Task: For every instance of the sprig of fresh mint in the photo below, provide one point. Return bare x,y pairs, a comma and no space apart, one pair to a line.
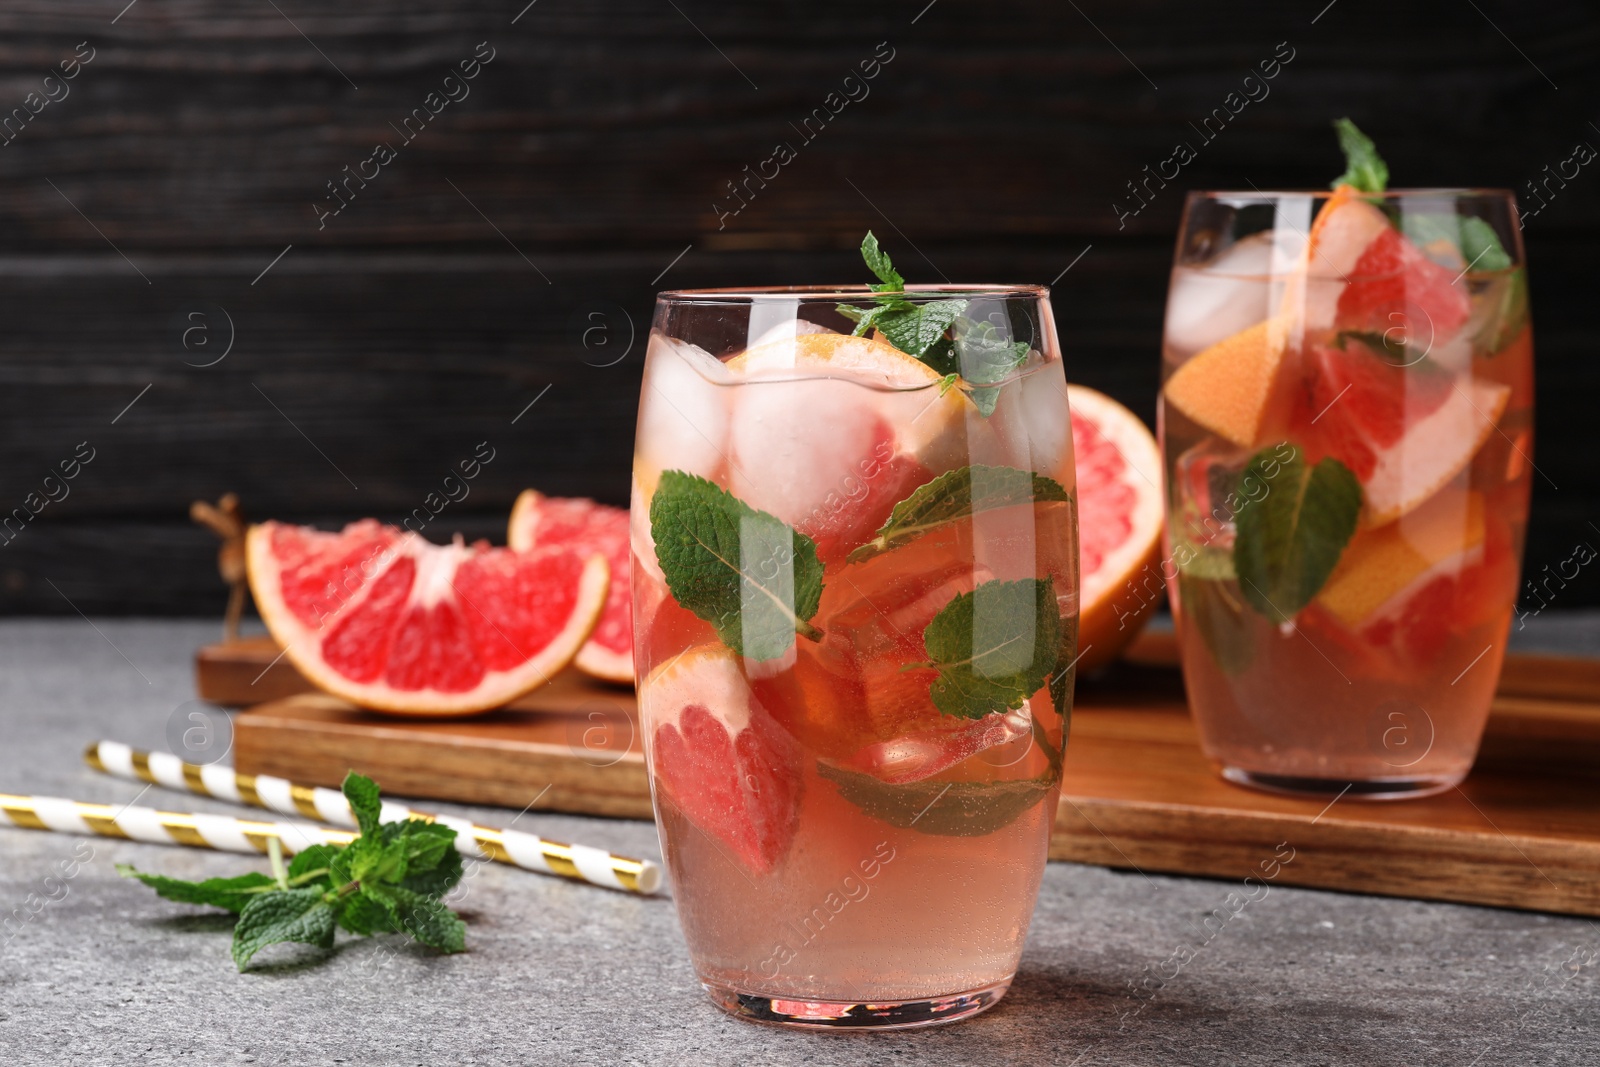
993,647
1363,167
1287,542
388,880
956,495
936,332
753,577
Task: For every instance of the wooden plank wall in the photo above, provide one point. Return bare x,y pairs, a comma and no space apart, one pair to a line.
585,166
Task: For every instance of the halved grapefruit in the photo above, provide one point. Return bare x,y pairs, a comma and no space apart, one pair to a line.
828,432
386,620
719,758
1119,524
539,521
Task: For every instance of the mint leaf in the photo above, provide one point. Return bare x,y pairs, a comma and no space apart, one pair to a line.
300,915
1212,608
1364,168
916,328
878,263
426,844
362,793
948,809
753,577
1474,239
986,358
993,647
426,920
956,495
1509,292
1288,542
229,893
1481,247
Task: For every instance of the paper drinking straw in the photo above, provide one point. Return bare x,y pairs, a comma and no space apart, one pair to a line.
531,852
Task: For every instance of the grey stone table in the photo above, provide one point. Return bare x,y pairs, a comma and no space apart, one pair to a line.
560,972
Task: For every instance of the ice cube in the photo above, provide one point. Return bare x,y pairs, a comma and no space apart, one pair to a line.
683,412
773,322
1230,293
1211,492
1032,424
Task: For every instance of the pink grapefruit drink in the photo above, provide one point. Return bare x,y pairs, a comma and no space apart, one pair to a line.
1347,425
855,583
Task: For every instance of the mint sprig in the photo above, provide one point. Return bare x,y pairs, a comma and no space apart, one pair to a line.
955,495
937,332
993,647
1287,542
389,879
756,579
1363,167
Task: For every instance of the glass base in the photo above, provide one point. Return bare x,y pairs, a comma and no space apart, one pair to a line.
854,1015
1406,788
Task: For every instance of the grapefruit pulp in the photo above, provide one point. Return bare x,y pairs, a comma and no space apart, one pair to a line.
1119,524
719,758
388,621
539,521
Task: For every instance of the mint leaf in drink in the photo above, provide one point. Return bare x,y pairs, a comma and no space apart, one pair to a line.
1481,247
231,894
1213,608
753,577
984,357
1509,296
878,263
1363,167
303,915
948,809
1287,543
993,647
391,878
362,793
954,495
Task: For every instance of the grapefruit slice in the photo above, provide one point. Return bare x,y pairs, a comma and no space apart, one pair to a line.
1393,284
1446,567
1405,432
391,622
1226,387
539,521
853,428
1347,224
1119,524
719,758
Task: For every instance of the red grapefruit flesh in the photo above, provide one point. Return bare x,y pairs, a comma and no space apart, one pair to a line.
539,521
1405,432
1119,524
1394,285
391,622
719,758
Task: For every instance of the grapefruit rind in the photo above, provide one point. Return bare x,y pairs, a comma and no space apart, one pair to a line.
1434,450
302,643
1110,617
1226,388
594,658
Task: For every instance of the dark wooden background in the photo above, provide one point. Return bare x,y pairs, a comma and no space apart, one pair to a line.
379,351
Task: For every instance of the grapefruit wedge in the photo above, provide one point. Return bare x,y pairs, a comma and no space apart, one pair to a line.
719,758
539,521
388,621
1119,524
1226,387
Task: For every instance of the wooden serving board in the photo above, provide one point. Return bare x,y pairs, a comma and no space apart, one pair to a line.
1522,831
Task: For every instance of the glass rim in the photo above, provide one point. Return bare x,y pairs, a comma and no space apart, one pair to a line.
1420,193
760,293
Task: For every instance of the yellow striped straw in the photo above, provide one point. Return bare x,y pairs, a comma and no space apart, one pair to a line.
531,852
